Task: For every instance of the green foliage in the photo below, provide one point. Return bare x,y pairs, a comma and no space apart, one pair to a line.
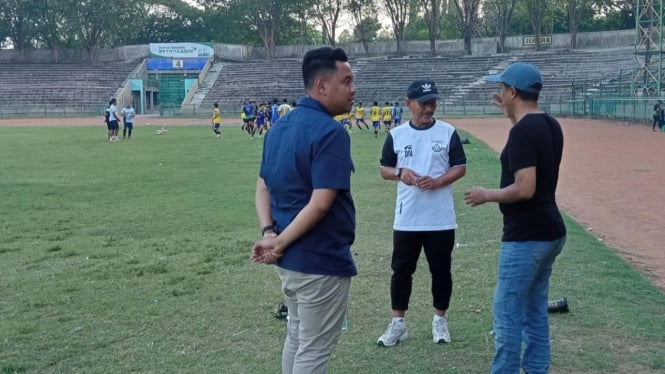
134,257
92,24
371,27
416,29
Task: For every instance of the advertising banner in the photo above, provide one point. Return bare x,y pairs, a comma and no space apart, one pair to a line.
182,50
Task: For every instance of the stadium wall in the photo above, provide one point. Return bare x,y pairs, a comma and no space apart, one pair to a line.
479,46
234,52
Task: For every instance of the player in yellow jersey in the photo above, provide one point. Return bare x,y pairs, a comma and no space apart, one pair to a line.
387,115
375,116
340,118
216,120
360,116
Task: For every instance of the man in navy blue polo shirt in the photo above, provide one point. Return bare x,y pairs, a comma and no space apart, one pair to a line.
304,205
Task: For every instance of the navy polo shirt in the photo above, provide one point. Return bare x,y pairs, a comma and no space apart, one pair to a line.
309,150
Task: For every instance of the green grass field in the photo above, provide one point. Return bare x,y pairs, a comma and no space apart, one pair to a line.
132,257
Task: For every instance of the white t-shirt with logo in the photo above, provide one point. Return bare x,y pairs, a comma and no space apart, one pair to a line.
113,116
430,151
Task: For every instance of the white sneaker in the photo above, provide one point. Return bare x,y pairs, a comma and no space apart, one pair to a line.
395,333
440,333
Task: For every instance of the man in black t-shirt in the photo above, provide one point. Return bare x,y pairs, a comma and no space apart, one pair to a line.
533,230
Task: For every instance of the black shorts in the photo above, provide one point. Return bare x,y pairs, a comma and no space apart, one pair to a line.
129,125
248,119
112,125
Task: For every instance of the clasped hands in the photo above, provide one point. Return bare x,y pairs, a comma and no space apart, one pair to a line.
411,178
267,250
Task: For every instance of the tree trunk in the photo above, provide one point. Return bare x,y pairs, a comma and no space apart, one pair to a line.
573,21
502,42
467,43
56,53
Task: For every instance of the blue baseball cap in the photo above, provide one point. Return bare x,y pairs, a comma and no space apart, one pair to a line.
521,75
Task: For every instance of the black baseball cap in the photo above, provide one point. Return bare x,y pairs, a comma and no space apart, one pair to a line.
422,91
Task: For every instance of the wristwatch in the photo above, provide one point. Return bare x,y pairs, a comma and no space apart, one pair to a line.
269,228
398,172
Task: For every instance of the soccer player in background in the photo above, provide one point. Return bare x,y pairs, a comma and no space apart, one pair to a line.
112,124
397,115
360,116
128,114
284,108
216,120
249,109
375,116
386,114
274,112
261,119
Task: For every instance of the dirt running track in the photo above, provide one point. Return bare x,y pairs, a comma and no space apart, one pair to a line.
612,179
612,182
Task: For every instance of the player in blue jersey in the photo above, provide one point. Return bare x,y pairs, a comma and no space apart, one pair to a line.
397,114
261,118
274,112
249,110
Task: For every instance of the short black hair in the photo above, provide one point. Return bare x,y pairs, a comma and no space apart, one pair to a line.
112,101
528,96
216,105
320,60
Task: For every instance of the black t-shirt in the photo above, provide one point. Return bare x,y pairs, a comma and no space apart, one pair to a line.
536,140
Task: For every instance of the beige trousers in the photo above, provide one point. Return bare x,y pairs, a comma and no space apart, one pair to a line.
317,304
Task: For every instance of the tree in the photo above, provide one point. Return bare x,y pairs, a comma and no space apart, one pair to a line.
433,11
467,19
574,12
15,16
398,11
327,12
361,11
50,16
266,18
537,9
502,12
171,21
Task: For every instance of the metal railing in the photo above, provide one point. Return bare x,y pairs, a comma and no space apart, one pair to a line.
632,109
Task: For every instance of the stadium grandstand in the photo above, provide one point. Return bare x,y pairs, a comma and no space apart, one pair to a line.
68,89
187,78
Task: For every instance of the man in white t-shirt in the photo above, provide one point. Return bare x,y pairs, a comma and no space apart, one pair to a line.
425,157
113,125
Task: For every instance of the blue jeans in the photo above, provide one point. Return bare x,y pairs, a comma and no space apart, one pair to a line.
520,306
